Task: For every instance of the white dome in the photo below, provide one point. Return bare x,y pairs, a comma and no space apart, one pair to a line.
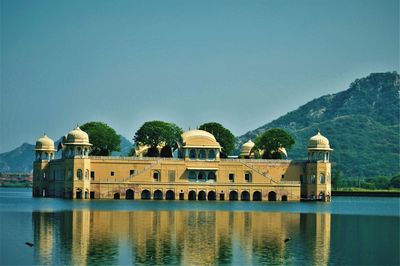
199,138
77,137
44,144
318,142
246,148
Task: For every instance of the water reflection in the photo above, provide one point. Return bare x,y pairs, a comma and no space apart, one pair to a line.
180,237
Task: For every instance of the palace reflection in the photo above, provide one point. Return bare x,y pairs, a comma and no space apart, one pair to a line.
180,237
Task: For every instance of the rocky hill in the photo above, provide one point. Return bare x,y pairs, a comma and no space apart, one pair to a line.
362,124
18,160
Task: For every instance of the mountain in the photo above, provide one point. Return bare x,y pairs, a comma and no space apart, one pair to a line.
126,147
21,159
18,160
362,124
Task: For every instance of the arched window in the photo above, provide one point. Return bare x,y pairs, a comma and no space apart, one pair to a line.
211,176
192,175
202,176
87,174
322,179
79,174
211,155
192,154
312,179
202,154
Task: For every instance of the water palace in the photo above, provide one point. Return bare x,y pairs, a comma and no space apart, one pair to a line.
198,174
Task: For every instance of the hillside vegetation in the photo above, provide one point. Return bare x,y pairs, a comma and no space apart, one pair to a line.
362,124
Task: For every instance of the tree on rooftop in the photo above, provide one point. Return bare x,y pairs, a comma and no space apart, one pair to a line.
224,137
271,141
104,138
155,134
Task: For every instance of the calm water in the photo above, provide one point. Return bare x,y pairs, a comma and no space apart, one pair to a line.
348,231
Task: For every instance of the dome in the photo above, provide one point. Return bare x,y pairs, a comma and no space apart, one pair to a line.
44,144
246,148
199,139
77,137
318,142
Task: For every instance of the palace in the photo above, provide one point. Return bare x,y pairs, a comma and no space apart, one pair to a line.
198,173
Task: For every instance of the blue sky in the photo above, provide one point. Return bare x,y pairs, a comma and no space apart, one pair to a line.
240,63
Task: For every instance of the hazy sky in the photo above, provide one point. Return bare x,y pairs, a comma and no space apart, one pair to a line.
240,63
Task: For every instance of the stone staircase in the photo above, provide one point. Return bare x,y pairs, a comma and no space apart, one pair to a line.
147,168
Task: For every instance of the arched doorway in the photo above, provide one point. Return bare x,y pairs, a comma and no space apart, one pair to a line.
233,195
272,196
145,195
158,195
117,196
257,196
284,198
211,195
129,194
86,194
202,195
245,196
192,195
170,195
78,193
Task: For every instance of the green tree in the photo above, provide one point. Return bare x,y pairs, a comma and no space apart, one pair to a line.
271,140
395,181
104,138
224,137
158,133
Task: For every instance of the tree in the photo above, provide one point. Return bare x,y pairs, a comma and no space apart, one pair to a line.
272,140
224,137
395,181
104,138
158,133
336,179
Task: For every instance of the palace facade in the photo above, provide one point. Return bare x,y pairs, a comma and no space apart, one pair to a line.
198,173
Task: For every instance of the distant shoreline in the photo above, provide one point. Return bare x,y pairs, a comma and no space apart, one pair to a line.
367,193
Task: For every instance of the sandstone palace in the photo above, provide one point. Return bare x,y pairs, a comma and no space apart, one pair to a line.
197,173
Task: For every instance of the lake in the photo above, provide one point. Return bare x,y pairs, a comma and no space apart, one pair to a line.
347,231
